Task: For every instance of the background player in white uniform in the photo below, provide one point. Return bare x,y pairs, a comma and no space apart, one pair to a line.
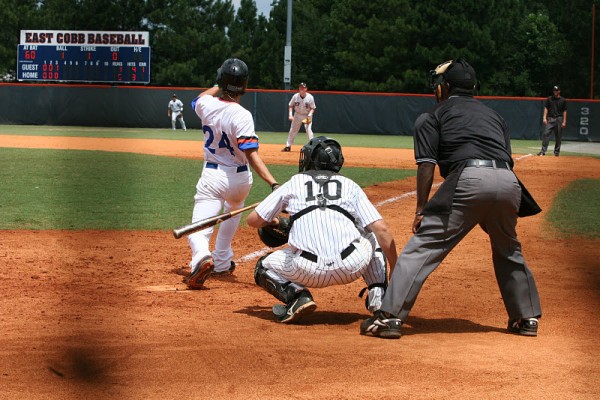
230,144
175,111
335,235
301,106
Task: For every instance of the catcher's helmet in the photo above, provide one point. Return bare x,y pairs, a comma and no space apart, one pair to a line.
321,153
453,76
232,77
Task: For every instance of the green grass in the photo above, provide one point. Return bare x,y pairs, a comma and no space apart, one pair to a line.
350,140
62,189
385,141
576,209
67,189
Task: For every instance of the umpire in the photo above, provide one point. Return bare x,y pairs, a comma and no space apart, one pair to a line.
470,144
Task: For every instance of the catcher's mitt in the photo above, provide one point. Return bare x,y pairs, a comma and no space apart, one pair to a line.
306,120
275,235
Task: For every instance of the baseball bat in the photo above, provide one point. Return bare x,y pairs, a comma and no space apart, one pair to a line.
208,222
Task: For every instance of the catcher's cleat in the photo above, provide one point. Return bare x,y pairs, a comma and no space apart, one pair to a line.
381,324
286,149
303,304
228,271
200,272
523,326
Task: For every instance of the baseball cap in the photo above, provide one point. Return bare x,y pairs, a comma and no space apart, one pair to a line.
460,74
556,87
174,95
302,84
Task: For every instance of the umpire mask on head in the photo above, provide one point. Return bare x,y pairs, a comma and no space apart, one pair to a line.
453,77
321,153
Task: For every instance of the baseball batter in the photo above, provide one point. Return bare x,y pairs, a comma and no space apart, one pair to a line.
230,147
175,112
470,144
301,110
336,237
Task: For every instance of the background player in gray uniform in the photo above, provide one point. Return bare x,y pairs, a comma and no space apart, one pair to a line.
301,109
230,144
175,112
471,145
335,236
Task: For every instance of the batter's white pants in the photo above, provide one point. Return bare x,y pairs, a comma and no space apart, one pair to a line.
295,128
218,191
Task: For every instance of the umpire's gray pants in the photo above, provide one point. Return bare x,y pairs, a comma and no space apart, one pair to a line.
552,125
489,197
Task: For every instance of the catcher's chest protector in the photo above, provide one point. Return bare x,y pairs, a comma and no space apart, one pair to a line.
321,177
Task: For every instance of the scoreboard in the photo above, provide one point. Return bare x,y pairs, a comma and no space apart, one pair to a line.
74,56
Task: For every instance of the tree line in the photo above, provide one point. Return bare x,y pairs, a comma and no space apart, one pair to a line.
518,47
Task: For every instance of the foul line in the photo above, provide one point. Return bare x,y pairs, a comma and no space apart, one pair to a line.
265,250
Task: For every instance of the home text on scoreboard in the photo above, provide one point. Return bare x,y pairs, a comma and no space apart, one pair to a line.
74,56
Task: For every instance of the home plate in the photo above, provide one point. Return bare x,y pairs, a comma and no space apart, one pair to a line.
165,288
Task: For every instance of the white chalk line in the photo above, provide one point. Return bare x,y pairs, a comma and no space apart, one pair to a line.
265,250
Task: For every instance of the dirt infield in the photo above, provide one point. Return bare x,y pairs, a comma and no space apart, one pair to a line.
104,314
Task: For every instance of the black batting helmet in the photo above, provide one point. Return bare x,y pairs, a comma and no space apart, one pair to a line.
321,153
453,76
232,77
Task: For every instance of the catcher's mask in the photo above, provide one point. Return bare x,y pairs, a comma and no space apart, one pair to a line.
321,153
233,76
453,76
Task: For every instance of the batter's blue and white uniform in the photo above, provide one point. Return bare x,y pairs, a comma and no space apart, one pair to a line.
176,107
301,106
325,246
226,178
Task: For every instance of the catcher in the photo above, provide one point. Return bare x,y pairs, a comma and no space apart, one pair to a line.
335,234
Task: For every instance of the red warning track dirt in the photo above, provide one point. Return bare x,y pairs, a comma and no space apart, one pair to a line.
104,314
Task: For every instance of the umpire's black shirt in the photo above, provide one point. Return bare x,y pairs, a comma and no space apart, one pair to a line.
455,130
556,106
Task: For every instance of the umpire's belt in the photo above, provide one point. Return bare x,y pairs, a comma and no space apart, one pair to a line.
312,257
213,165
488,164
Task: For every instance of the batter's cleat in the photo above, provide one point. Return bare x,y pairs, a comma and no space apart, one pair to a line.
228,271
381,324
200,272
303,304
523,326
286,149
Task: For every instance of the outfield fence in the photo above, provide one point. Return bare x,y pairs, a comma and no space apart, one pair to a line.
337,112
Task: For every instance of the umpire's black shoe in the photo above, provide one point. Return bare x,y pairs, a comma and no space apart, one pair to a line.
301,305
286,149
541,153
381,324
523,326
200,272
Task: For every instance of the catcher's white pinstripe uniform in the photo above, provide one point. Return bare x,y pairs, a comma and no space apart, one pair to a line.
325,246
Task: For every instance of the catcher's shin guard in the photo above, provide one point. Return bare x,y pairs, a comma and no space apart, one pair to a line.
283,291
